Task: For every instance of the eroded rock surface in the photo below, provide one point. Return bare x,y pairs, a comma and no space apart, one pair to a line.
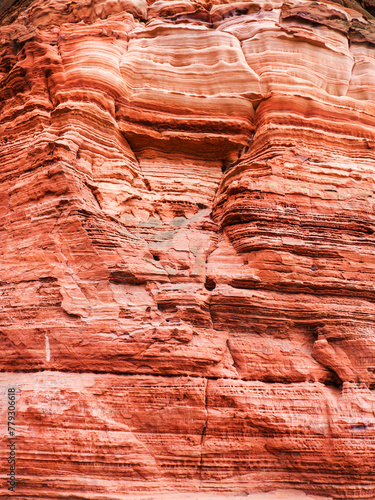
187,219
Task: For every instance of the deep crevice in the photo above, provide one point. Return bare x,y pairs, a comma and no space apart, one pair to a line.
204,429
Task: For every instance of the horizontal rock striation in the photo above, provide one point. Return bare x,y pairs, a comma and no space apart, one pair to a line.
187,218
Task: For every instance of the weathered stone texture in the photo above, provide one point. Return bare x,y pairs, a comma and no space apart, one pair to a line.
187,250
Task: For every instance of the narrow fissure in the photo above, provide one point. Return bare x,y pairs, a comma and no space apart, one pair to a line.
203,430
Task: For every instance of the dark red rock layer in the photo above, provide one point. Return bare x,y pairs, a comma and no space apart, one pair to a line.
187,246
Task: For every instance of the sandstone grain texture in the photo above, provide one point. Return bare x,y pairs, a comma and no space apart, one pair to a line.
187,250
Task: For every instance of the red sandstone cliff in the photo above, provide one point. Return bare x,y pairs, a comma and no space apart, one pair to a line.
187,218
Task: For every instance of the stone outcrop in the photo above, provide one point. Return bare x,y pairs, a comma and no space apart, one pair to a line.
187,218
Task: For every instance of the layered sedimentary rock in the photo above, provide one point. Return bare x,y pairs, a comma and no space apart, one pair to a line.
187,246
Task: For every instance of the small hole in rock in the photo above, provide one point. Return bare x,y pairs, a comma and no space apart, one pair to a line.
209,284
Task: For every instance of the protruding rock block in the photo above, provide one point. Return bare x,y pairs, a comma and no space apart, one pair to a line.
187,250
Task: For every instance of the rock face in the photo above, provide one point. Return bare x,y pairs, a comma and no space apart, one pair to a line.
187,218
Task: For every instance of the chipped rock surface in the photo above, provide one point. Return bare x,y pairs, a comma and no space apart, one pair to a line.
187,249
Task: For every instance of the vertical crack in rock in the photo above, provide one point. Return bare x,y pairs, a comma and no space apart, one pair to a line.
115,281
204,430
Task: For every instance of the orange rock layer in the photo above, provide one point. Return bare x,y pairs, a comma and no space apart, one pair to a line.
187,219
